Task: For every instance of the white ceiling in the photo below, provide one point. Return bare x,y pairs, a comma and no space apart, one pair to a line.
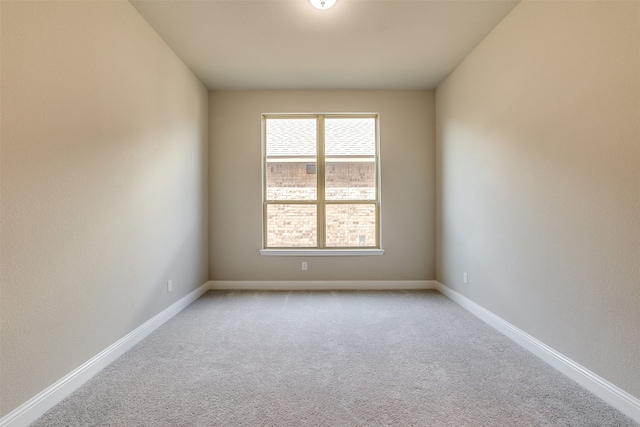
357,44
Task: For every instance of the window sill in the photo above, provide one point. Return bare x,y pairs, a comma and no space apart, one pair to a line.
321,252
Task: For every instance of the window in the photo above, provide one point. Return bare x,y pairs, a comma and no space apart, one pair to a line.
320,182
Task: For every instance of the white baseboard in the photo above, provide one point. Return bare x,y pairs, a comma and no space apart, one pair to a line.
610,393
333,285
35,407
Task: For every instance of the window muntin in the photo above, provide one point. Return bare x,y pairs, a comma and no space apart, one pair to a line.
321,182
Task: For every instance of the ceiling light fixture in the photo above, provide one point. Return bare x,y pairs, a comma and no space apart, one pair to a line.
322,4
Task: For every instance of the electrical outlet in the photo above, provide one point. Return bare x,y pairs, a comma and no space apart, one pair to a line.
169,286
465,278
304,266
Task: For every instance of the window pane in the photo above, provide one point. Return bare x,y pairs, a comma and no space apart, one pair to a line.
292,226
291,180
348,180
291,159
350,136
351,225
350,148
291,137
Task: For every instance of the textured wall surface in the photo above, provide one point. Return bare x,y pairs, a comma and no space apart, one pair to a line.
407,149
538,159
103,180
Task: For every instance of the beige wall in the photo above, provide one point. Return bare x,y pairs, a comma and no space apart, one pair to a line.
408,185
103,180
538,159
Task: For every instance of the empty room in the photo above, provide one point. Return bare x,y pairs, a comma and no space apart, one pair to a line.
319,213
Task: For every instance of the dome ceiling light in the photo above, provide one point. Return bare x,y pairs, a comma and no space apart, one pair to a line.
322,4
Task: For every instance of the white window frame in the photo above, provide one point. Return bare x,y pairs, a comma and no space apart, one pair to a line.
320,201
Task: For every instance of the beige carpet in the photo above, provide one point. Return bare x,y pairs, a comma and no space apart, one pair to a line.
329,359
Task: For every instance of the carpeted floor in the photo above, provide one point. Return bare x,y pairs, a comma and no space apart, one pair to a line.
396,358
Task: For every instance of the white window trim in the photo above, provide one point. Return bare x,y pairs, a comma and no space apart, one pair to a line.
321,252
315,252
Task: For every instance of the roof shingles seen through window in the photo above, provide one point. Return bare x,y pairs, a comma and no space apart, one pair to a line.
343,137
